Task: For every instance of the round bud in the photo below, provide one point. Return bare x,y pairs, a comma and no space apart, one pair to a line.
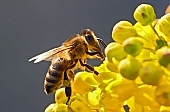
133,46
151,74
60,96
123,30
163,55
144,14
129,68
115,50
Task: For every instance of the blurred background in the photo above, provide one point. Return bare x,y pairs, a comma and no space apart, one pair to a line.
30,27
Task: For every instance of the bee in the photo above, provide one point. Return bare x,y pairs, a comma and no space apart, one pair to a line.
71,55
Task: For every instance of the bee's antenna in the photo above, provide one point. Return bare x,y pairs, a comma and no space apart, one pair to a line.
102,42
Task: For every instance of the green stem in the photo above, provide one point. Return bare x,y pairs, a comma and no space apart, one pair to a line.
155,31
152,50
149,59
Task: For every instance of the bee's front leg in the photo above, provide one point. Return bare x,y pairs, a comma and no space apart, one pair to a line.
94,55
89,67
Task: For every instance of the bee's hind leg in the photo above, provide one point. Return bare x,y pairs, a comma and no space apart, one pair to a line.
67,86
68,93
69,75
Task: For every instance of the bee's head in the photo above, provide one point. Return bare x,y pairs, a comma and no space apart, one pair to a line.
92,41
90,38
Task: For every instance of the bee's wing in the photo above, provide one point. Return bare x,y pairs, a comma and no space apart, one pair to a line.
49,55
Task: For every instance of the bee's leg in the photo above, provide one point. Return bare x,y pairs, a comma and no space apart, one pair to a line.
71,75
88,66
67,86
94,55
68,93
66,83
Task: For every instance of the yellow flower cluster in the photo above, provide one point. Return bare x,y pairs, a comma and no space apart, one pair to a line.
136,71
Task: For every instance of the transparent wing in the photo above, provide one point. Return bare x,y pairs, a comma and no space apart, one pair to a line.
49,55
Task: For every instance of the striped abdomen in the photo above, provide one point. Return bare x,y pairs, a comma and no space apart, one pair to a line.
55,75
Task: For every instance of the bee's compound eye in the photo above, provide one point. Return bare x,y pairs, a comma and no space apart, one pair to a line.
89,38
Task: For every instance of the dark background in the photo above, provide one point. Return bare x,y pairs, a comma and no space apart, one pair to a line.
30,27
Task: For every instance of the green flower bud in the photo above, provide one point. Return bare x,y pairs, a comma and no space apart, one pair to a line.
151,74
133,46
123,30
144,14
129,68
163,56
160,43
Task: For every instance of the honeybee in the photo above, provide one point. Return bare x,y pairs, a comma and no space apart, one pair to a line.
72,54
